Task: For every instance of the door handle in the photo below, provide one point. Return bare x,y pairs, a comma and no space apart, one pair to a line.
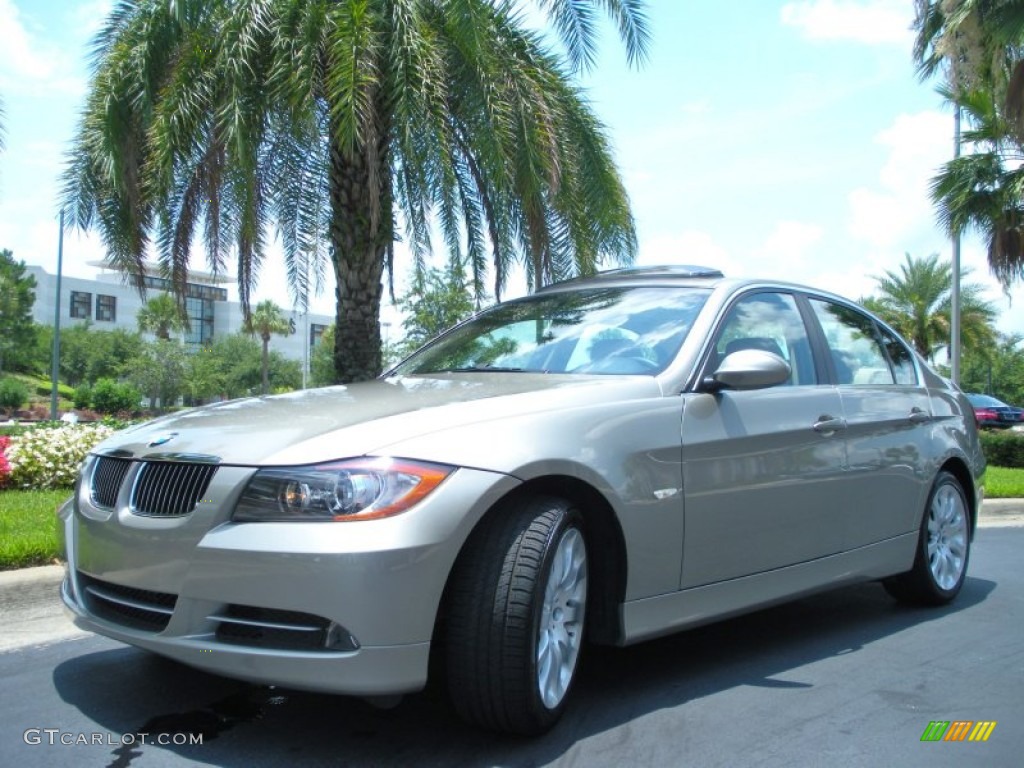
826,425
919,416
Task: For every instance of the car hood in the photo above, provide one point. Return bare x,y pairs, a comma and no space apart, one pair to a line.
336,422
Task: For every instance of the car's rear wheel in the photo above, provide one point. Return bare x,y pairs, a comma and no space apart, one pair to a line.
516,617
943,548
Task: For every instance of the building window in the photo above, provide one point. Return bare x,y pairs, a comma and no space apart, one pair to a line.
106,308
315,332
81,305
200,321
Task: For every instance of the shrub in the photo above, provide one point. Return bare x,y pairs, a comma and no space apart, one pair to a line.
49,457
1004,449
13,394
82,398
109,396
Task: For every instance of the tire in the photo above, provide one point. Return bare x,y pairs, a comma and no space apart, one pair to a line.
943,548
516,617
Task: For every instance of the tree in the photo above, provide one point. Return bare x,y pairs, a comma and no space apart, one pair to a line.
917,303
265,321
239,367
162,316
997,370
159,372
978,46
88,355
205,378
321,360
331,117
436,300
17,295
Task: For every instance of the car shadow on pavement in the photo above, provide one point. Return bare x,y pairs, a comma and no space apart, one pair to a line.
128,691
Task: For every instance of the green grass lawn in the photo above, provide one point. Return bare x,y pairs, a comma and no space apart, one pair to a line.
28,527
1003,483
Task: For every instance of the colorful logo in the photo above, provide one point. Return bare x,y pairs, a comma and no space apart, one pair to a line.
958,730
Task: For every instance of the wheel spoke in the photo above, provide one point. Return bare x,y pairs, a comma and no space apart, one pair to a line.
947,537
560,636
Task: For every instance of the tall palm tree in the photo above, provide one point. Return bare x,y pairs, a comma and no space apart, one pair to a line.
162,316
917,302
265,321
332,117
979,47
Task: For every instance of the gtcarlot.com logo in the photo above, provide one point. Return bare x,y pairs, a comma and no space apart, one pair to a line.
958,730
57,737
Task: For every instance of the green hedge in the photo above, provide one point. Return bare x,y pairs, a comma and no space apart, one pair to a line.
1004,449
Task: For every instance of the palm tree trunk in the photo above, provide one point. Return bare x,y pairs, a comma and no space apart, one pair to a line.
359,240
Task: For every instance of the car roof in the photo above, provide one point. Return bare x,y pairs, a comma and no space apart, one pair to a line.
672,273
679,275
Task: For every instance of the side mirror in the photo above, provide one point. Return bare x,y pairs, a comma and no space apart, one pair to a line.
748,369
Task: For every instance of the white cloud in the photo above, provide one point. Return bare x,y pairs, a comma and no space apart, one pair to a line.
23,57
687,247
91,15
29,63
872,22
891,216
790,243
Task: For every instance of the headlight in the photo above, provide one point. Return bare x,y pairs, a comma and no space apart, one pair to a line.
354,489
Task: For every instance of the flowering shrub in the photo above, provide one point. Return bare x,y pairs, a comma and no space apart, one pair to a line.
50,457
5,465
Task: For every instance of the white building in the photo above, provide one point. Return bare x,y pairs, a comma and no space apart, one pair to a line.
108,303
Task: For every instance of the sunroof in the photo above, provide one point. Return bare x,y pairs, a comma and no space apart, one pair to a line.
675,270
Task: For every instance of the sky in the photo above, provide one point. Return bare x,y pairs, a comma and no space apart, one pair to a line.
786,140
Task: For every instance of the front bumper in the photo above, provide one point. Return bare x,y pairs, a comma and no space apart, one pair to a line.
338,607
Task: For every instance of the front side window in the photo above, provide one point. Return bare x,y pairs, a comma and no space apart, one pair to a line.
769,322
601,330
854,345
81,305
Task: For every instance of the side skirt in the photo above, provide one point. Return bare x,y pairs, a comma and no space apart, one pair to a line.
666,614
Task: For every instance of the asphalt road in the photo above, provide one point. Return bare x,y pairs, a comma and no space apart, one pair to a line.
847,678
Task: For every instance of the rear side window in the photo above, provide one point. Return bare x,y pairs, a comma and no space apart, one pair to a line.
854,345
901,358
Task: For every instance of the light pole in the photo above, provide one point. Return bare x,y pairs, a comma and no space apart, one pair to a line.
55,362
954,325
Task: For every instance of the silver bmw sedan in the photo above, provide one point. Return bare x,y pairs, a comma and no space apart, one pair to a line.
611,459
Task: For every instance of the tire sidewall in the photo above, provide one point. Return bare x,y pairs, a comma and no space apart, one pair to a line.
569,518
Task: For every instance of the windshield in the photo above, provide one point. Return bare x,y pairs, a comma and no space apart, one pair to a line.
602,330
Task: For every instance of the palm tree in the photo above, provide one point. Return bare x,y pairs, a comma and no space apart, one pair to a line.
917,302
264,321
161,316
335,116
978,45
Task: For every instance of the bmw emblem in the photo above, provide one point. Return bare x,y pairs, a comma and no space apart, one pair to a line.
163,439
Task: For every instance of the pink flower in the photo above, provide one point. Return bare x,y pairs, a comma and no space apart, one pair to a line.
5,466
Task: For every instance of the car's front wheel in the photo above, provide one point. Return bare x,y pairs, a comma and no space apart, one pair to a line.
516,616
943,548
